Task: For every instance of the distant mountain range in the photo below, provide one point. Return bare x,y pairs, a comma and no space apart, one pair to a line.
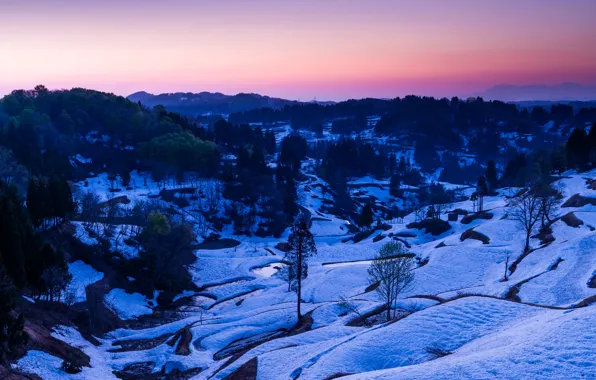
539,92
210,102
214,102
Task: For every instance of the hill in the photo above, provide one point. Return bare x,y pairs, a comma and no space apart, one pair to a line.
209,102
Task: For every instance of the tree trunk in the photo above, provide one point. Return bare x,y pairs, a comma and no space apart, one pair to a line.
388,311
527,248
299,285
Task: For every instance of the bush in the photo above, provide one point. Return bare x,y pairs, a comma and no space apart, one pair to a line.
70,367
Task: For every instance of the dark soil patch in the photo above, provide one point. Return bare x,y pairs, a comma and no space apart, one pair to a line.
10,374
571,220
139,344
471,234
351,228
184,337
441,245
316,218
587,302
379,238
144,370
555,265
577,200
469,218
372,287
282,246
512,293
361,319
40,339
247,371
362,235
459,211
218,244
405,234
592,282
434,227
338,375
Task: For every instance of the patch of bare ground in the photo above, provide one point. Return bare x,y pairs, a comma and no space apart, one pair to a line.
213,244
361,320
338,375
146,371
572,220
471,234
11,374
183,337
586,302
378,238
469,218
247,371
577,200
40,338
430,297
434,227
513,266
405,234
592,282
139,344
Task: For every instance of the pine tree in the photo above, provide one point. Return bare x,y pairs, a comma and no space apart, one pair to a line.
491,175
12,335
366,216
301,246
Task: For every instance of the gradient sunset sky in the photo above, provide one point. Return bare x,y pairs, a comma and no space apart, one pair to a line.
329,49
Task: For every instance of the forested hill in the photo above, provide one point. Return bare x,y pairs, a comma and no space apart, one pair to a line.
193,104
46,129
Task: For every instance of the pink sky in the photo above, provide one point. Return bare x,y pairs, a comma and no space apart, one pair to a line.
329,49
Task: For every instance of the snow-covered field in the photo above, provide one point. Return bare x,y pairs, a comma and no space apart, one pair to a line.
457,322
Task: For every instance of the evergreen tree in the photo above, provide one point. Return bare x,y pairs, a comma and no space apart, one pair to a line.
301,246
491,175
366,216
12,336
577,148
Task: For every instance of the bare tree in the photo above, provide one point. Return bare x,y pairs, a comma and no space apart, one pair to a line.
526,212
549,197
392,270
507,258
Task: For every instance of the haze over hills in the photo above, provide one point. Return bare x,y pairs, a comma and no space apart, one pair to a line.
204,102
215,102
540,92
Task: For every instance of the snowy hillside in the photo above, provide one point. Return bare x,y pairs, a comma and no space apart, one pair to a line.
460,319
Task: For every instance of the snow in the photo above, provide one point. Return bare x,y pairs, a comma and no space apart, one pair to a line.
83,275
129,306
455,304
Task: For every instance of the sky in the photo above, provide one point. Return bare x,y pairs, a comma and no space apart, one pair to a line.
299,49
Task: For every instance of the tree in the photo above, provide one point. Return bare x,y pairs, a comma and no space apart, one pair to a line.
392,273
366,216
166,248
12,335
549,198
301,246
491,175
526,212
481,192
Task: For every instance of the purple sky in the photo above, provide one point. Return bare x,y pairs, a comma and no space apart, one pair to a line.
328,49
